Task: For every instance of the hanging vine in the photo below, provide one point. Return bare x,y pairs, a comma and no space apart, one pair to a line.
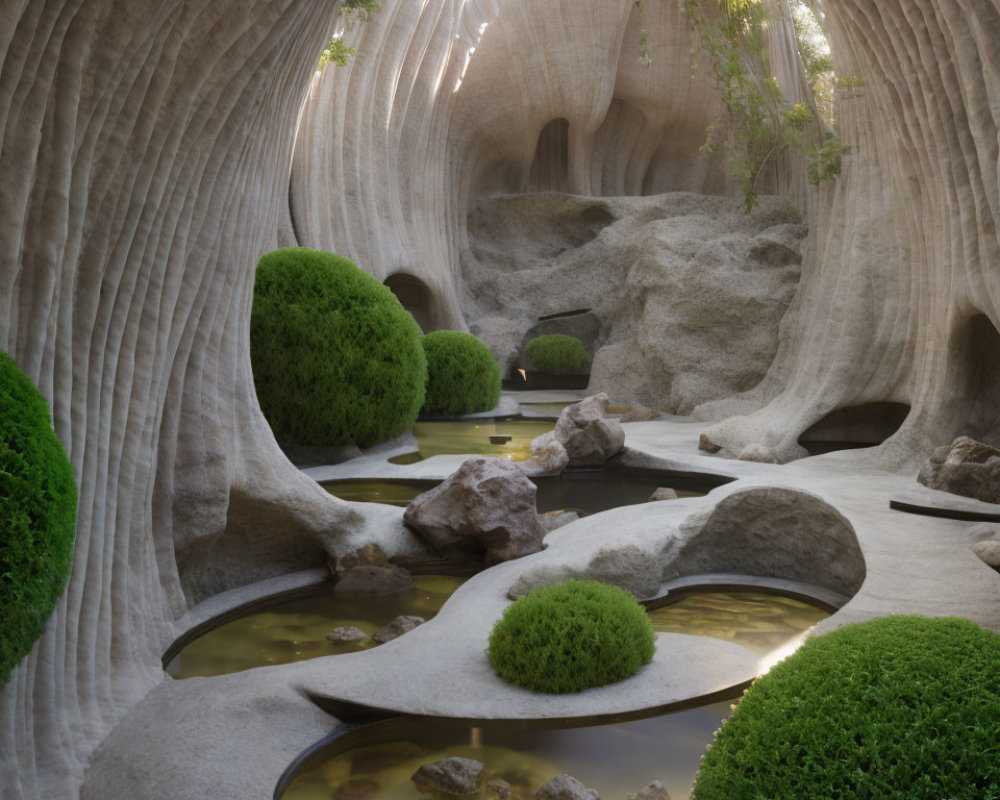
762,126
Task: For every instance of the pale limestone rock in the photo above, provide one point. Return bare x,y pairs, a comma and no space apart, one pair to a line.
368,580
548,456
663,493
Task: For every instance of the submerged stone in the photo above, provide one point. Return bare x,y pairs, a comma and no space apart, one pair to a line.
346,634
566,787
455,777
402,624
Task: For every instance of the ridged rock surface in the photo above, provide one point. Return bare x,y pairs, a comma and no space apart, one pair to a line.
145,156
900,298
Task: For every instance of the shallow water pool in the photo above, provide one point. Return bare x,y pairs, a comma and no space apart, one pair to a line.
457,437
295,629
376,763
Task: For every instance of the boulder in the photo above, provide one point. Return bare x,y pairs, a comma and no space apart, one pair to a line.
966,467
588,434
370,554
663,493
340,635
988,551
404,623
455,777
655,791
565,787
488,505
370,581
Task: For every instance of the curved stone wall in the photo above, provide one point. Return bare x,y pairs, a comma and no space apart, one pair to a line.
145,153
904,246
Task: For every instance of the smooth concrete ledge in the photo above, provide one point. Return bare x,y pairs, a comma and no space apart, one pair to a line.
934,503
234,736
733,580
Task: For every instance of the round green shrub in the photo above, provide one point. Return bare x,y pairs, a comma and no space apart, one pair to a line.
899,708
571,636
462,375
336,358
37,515
557,353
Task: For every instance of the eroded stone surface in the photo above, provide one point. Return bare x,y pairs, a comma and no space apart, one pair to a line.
349,633
655,791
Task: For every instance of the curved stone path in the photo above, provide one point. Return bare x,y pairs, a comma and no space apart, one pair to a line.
232,736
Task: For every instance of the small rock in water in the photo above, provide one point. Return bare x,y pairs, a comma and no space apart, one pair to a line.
402,624
565,787
455,776
498,789
348,634
654,791
663,493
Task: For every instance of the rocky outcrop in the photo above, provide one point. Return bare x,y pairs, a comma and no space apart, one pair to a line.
487,505
341,634
965,467
453,777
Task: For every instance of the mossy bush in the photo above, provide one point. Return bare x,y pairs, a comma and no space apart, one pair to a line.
37,515
557,353
462,375
899,708
571,636
336,358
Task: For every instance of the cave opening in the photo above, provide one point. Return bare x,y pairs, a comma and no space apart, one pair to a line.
550,169
415,296
865,425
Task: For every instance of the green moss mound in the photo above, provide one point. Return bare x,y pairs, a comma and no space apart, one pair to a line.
899,708
571,636
462,375
37,515
336,358
557,353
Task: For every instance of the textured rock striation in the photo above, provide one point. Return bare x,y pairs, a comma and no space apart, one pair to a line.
145,150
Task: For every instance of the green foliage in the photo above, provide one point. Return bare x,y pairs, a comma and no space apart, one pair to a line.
462,375
761,127
899,708
336,52
363,9
336,358
557,353
824,160
37,515
571,636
